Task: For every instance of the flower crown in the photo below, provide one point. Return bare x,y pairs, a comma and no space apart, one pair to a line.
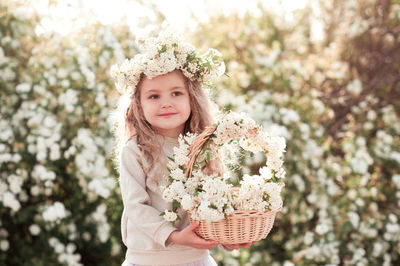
164,54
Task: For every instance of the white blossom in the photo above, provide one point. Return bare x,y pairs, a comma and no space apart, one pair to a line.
266,173
396,180
4,245
177,174
34,229
55,212
23,87
15,182
322,229
308,238
103,228
355,87
175,191
170,216
35,190
204,210
102,186
9,200
187,202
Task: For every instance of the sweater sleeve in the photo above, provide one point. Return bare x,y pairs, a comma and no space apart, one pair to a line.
136,199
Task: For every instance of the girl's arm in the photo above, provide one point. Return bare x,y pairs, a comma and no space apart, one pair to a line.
136,199
188,237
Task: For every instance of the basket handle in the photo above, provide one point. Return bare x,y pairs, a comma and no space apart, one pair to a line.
196,146
199,142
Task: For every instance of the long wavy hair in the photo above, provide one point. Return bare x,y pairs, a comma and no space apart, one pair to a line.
134,124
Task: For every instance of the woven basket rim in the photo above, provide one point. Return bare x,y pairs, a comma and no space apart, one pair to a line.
249,213
257,211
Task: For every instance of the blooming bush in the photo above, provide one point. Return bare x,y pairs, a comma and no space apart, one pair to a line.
210,197
336,101
59,203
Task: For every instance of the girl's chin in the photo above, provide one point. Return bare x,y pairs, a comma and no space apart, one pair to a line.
169,131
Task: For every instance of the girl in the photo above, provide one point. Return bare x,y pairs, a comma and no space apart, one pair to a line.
166,100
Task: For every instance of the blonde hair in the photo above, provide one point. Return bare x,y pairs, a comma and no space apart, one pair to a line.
135,125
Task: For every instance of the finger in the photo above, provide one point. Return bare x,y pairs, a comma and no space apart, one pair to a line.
206,242
211,246
227,248
205,246
234,246
246,245
193,225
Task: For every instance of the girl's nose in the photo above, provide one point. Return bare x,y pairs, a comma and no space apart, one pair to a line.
166,103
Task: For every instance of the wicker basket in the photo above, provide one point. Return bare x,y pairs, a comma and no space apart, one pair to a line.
239,227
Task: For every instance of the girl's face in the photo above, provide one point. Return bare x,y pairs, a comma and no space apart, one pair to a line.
165,103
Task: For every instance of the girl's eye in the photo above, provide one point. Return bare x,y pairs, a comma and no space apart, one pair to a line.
154,96
176,93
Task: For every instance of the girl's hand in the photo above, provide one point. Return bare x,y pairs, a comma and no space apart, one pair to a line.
236,246
189,238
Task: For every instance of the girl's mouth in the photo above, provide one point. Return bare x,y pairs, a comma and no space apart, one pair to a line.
167,114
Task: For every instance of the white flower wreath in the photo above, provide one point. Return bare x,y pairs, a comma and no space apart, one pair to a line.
211,197
164,54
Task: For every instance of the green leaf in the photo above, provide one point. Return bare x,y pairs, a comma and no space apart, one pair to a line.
175,205
162,214
163,49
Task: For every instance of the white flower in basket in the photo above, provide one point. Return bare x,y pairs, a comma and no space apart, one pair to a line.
228,214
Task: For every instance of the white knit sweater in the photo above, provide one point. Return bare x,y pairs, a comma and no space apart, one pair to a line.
144,231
